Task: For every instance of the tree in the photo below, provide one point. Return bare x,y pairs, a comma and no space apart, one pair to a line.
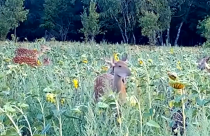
90,22
124,13
30,28
149,25
4,25
164,12
156,19
12,13
204,29
58,17
184,11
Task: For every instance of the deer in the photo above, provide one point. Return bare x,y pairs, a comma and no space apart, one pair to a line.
114,80
29,56
203,64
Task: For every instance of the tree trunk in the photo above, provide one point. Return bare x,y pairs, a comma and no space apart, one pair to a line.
134,39
154,40
125,28
121,30
168,37
3,37
92,38
15,35
161,38
178,33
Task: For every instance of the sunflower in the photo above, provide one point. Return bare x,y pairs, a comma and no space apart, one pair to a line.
62,101
85,61
104,68
75,82
140,61
172,75
50,97
171,51
177,84
39,63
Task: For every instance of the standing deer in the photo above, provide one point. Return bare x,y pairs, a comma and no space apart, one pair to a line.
203,64
113,81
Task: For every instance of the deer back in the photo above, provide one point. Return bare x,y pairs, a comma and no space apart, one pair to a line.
103,83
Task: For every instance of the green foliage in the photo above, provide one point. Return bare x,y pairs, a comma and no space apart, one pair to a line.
123,13
149,25
62,19
58,17
23,91
164,12
4,28
11,13
90,22
161,9
204,27
206,44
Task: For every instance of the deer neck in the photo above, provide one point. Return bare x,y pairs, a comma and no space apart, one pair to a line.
119,87
118,83
40,53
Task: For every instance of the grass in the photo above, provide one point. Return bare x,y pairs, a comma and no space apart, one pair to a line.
25,109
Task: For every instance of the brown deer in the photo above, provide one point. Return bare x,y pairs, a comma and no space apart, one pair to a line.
115,81
203,64
28,56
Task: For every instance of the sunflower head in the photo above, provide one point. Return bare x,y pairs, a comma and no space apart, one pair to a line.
172,75
177,84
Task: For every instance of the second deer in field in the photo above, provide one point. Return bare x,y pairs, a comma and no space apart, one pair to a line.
30,57
203,64
113,81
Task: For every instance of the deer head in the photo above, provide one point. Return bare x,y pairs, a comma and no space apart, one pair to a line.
111,63
203,63
46,61
113,81
43,49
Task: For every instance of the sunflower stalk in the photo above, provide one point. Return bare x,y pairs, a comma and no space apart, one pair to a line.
183,110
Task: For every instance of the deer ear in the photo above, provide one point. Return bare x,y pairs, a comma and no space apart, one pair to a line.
207,59
113,61
125,58
110,62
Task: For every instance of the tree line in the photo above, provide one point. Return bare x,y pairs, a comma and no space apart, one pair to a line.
154,22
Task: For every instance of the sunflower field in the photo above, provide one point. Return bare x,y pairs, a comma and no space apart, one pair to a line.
166,94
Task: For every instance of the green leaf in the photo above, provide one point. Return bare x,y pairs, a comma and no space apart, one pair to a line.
47,89
199,101
147,115
49,116
168,119
102,105
46,129
72,117
8,108
23,105
151,111
39,116
11,132
152,123
76,110
1,75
